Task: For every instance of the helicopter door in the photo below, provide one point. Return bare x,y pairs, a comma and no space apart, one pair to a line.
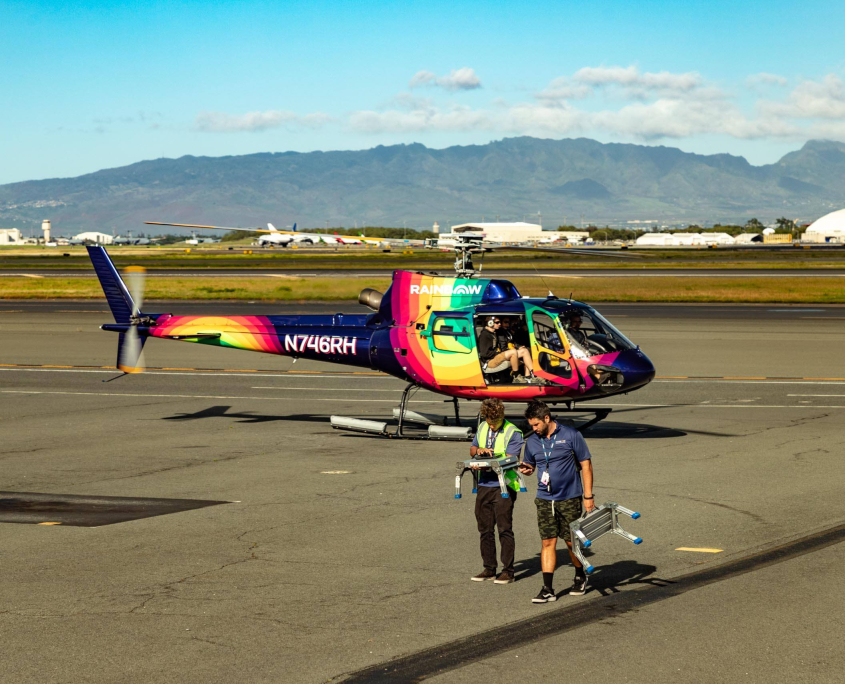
550,352
454,356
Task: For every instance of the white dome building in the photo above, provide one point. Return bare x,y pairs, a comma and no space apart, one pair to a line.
829,228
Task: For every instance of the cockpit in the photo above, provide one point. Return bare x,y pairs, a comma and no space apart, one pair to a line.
589,333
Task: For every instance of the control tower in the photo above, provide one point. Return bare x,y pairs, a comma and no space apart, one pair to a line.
45,226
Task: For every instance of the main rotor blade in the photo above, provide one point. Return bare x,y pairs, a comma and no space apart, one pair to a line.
135,279
564,250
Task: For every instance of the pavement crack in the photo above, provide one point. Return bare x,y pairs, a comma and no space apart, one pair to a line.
742,511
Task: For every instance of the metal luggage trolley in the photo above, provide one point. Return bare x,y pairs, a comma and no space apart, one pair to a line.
597,523
497,465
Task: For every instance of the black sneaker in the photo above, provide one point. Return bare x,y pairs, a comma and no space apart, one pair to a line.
504,578
546,595
484,576
579,586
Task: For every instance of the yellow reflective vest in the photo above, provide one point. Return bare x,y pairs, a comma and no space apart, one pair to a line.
500,445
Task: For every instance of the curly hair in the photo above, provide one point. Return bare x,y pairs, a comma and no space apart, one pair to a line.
492,409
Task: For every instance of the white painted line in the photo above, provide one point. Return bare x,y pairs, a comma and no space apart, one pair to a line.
391,401
299,376
213,396
815,395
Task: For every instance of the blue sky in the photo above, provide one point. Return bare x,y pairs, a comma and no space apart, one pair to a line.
86,85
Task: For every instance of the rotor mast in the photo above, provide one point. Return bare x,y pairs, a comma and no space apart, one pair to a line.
465,247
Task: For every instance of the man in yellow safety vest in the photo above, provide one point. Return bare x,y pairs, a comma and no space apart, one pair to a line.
495,438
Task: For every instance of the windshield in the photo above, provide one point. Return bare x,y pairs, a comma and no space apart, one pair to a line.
589,332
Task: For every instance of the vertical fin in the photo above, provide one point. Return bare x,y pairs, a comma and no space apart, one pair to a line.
118,297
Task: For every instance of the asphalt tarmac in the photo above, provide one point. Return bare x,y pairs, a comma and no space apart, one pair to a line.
291,552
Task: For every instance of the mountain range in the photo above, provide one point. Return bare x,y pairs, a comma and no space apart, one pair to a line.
387,186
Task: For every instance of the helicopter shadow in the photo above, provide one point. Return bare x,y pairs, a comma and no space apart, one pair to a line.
246,416
605,579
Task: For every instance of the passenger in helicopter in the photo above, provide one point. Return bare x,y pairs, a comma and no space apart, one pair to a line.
505,335
573,329
519,333
491,353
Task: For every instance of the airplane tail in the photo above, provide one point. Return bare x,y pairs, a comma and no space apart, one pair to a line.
130,344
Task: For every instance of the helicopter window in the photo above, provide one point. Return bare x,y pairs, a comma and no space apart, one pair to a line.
545,332
452,335
590,333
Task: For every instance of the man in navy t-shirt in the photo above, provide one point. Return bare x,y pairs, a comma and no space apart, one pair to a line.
557,453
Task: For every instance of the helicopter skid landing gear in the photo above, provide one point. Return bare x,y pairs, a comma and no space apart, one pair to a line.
599,415
410,424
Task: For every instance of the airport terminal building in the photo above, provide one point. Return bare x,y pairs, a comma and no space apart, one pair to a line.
512,233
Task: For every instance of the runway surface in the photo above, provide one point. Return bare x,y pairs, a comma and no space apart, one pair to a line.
336,553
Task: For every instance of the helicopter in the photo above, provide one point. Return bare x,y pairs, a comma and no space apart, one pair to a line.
424,330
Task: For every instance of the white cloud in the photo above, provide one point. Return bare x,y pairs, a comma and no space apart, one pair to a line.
564,89
420,120
220,122
464,78
766,79
631,77
823,99
678,118
659,106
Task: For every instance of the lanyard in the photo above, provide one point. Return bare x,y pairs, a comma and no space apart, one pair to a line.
491,436
547,453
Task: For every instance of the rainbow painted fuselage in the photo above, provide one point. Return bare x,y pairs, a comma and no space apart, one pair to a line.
424,332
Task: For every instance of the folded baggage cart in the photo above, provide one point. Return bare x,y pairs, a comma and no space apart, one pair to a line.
497,465
597,523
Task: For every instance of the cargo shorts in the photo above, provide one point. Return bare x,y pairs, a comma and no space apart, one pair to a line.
553,517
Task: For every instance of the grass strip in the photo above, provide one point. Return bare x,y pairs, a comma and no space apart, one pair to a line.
781,290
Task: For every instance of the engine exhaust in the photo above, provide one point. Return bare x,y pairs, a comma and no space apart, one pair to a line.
371,298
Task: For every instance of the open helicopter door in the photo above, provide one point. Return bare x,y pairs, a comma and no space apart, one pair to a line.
454,355
550,351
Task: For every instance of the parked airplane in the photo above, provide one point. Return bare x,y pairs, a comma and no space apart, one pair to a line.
194,240
273,236
120,240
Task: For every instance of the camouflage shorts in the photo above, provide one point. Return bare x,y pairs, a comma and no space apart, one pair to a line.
555,522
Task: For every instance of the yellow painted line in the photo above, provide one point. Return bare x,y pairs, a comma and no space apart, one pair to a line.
689,548
743,377
672,377
50,523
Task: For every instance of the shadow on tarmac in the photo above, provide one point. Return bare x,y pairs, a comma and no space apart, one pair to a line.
605,579
246,416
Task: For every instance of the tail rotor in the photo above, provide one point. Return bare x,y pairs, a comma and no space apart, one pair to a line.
130,357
